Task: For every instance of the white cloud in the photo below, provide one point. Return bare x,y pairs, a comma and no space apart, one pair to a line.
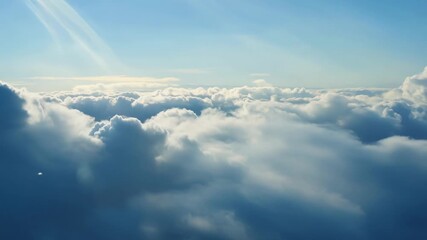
240,163
122,83
110,79
415,88
261,83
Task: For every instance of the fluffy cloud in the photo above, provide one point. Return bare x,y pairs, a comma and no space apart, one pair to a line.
401,111
242,163
415,88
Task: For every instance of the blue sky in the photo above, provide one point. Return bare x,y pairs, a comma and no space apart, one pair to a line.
302,43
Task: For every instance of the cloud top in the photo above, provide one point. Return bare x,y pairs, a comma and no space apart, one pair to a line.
244,163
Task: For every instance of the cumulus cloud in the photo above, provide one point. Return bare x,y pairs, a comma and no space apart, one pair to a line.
261,83
241,163
415,88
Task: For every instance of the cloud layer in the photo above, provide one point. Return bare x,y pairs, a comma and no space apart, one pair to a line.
243,163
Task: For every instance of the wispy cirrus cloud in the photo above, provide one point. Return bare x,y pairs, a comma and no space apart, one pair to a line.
62,20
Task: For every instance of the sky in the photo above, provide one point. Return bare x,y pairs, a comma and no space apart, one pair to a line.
307,43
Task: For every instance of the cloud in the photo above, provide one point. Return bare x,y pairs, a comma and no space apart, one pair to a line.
189,71
356,111
120,83
261,83
415,87
240,163
110,79
260,75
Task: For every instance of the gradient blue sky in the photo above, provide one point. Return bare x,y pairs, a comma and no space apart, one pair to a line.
293,43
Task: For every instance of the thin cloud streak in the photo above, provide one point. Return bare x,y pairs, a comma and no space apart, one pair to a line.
114,82
260,74
112,78
58,16
189,71
42,18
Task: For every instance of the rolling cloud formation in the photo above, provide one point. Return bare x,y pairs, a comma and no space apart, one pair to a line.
241,163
